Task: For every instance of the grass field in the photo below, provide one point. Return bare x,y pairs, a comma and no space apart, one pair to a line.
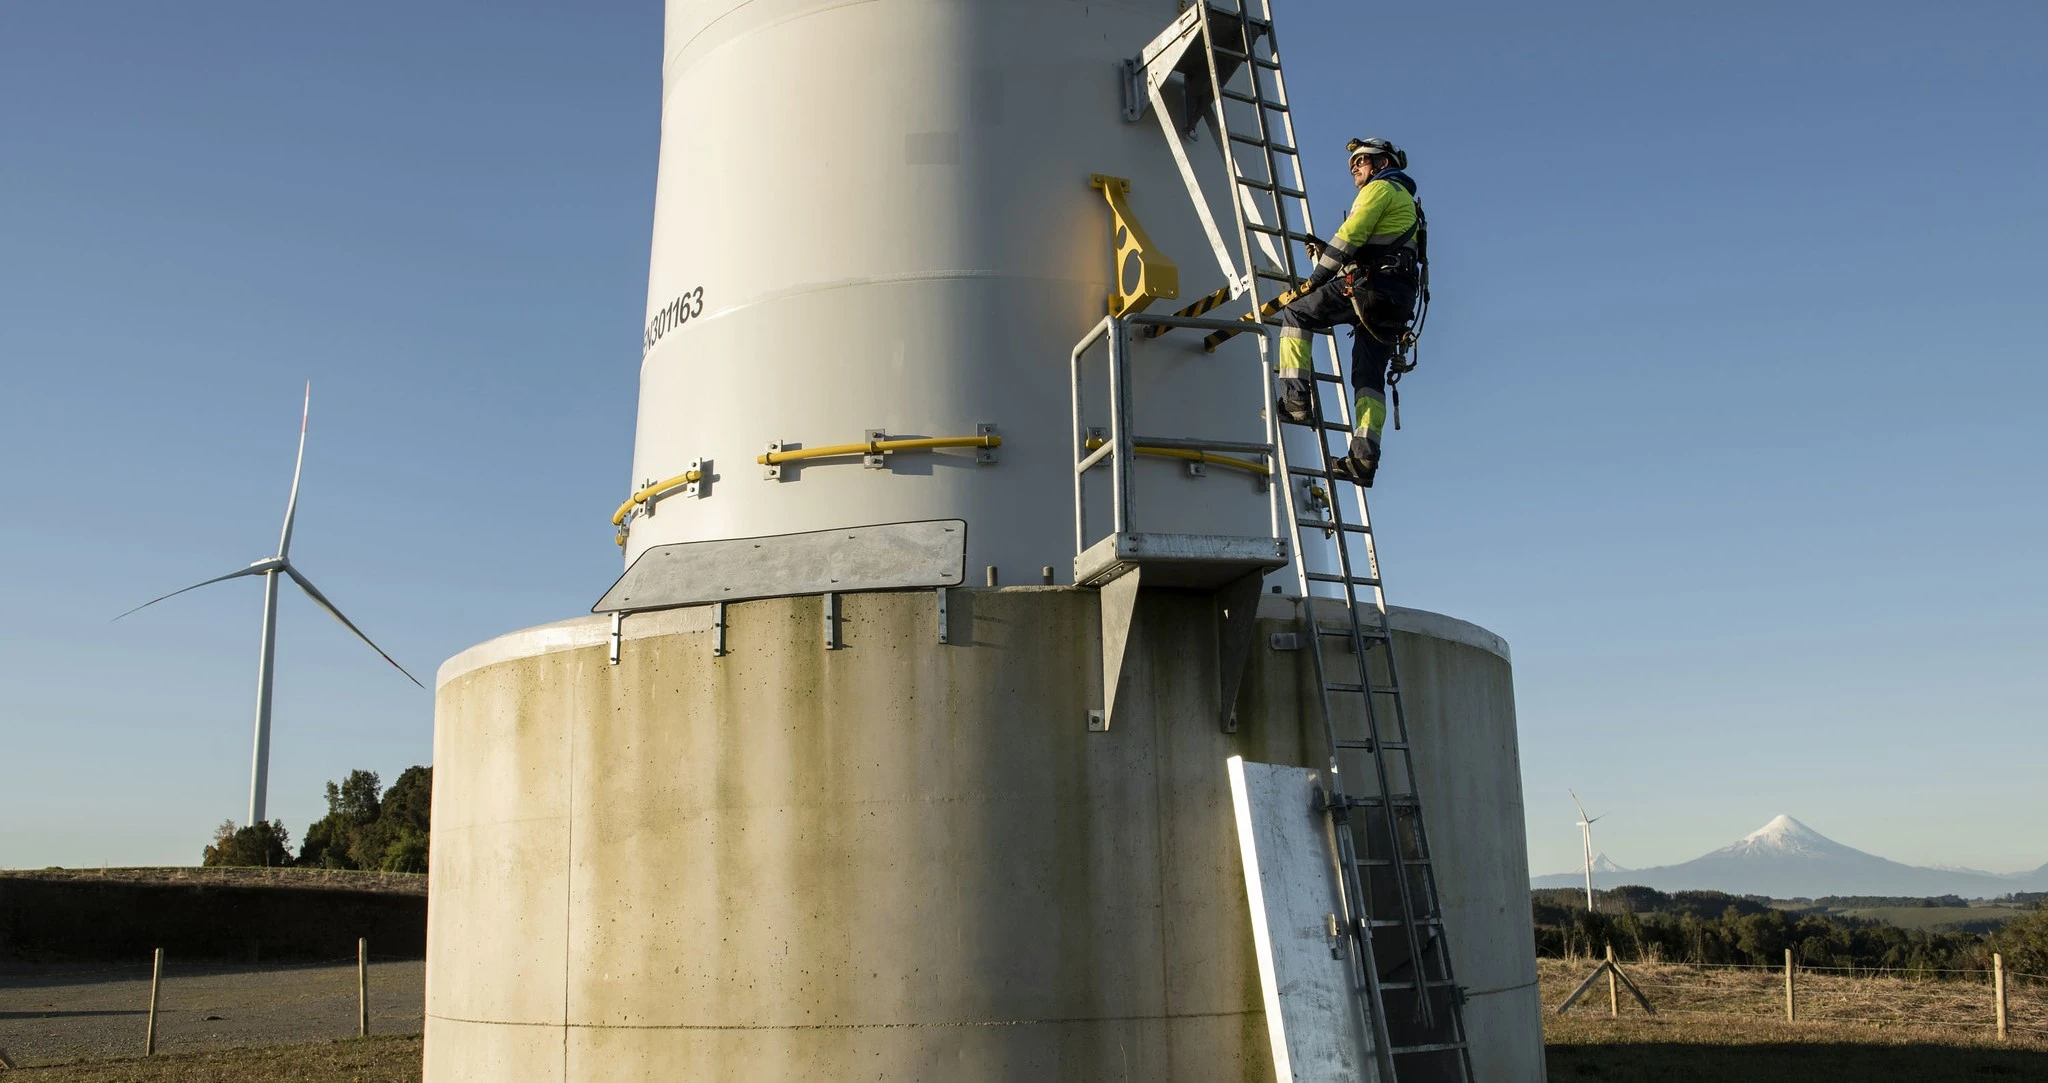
1935,918
1708,1049
1716,1024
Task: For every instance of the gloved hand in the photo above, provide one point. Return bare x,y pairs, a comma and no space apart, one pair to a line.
1315,249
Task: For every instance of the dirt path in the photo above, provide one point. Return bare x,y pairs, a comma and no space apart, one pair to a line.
50,1014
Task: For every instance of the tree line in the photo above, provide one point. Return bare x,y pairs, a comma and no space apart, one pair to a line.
1643,924
366,827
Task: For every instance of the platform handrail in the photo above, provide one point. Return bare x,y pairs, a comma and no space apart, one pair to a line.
1119,448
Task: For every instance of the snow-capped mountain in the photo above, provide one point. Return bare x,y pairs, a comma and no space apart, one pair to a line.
1606,874
1787,859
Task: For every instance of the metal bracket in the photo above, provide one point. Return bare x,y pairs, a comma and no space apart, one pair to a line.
696,488
1197,470
773,471
875,460
943,629
618,625
1098,722
1156,276
718,630
985,455
832,642
1133,85
1284,641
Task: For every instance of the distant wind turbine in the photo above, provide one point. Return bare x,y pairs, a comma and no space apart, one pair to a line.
270,568
1586,835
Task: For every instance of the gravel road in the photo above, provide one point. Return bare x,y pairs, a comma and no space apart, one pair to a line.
55,1013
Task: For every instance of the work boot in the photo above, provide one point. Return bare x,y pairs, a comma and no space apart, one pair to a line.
1355,470
1297,402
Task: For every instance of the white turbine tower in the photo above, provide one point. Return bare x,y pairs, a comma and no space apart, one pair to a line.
1586,837
270,568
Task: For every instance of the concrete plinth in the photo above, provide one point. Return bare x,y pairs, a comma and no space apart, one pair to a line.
897,860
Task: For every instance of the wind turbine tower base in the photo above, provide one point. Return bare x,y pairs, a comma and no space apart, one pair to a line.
902,858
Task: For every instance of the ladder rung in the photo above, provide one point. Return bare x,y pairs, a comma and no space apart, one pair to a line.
1431,1047
1252,58
1353,580
1365,746
1272,231
1254,99
1329,377
1345,633
1399,802
1325,524
1269,186
1395,923
1326,426
1267,144
1433,983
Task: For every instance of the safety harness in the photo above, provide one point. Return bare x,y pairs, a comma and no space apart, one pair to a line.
1394,259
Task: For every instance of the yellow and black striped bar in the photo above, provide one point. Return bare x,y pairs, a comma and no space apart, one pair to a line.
1201,307
1266,312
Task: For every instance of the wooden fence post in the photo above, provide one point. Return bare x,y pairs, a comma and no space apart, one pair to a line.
1613,993
362,987
1790,1013
1998,990
156,978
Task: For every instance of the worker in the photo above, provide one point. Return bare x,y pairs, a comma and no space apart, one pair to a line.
1368,277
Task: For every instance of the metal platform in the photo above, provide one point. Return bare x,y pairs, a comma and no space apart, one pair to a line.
1189,561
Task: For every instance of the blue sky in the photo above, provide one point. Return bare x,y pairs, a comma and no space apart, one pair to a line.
1727,419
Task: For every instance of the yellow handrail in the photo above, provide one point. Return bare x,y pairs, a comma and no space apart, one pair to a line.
1246,465
650,492
877,447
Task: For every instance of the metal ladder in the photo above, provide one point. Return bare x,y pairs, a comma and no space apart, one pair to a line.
1401,962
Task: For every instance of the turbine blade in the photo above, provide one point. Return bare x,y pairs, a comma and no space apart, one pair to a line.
1575,801
253,569
291,508
320,599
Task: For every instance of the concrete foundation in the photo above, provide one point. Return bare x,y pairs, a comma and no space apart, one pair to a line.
908,860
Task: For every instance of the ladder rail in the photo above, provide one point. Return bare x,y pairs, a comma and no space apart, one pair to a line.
1270,134
1401,866
1350,882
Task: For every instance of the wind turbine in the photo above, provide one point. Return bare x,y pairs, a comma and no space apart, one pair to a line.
1586,835
270,568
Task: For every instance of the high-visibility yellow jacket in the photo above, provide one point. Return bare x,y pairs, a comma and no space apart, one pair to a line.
1383,214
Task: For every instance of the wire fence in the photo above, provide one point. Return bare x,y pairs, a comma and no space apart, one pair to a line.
1876,997
57,1013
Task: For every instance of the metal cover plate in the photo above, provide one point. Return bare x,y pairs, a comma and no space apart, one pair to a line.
1291,883
892,556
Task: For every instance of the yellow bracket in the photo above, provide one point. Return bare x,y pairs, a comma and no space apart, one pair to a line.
1247,465
1156,276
